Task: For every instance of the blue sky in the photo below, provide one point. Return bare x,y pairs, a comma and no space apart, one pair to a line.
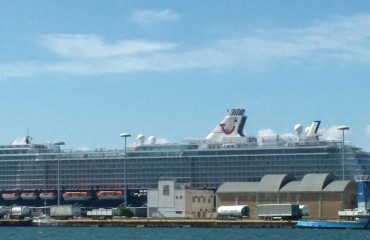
85,71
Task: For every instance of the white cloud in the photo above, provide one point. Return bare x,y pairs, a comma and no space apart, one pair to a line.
162,141
147,17
92,46
332,133
338,39
84,149
268,132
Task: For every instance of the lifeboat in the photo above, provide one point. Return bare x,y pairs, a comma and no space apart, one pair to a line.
48,196
29,196
10,196
110,195
76,196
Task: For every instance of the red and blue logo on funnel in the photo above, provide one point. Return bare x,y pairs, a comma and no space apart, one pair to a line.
229,126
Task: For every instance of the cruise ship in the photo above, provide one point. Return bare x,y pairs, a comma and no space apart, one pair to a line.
31,173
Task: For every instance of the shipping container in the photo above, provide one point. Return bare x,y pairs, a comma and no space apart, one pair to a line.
279,211
65,211
102,213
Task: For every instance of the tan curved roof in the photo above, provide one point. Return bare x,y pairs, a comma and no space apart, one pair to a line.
316,182
273,183
339,186
286,183
237,187
293,186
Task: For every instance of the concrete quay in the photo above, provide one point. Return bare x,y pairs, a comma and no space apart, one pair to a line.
15,222
202,223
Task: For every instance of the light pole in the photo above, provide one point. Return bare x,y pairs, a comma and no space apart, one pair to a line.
343,128
125,135
44,179
59,144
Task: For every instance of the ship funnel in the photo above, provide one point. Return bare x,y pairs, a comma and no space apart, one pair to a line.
312,132
24,140
231,126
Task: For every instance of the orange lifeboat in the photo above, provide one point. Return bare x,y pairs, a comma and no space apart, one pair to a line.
110,195
10,196
29,196
76,196
47,196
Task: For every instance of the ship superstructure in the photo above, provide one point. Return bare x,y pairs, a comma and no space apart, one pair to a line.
225,155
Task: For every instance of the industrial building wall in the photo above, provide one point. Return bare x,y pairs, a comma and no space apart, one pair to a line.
166,191
315,203
180,203
331,204
152,196
323,205
166,201
202,203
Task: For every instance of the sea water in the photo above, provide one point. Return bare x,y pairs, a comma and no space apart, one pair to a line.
124,233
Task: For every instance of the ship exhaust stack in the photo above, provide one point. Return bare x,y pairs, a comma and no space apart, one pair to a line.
312,132
231,126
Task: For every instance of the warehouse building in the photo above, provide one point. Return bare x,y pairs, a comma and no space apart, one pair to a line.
173,200
324,195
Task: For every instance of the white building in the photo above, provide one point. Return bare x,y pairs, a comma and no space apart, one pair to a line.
172,200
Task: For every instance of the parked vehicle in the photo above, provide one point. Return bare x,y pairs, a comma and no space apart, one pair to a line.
279,211
20,212
232,212
3,211
103,213
65,211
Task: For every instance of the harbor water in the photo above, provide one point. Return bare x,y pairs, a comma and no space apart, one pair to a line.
111,233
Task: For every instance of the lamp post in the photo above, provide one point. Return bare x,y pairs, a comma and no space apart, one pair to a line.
59,144
343,128
125,135
44,179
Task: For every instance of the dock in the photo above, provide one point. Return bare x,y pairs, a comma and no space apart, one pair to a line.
15,222
185,223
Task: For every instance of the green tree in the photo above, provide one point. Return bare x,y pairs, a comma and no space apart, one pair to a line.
123,211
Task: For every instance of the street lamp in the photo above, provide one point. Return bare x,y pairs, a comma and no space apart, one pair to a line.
343,128
125,135
59,144
44,179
